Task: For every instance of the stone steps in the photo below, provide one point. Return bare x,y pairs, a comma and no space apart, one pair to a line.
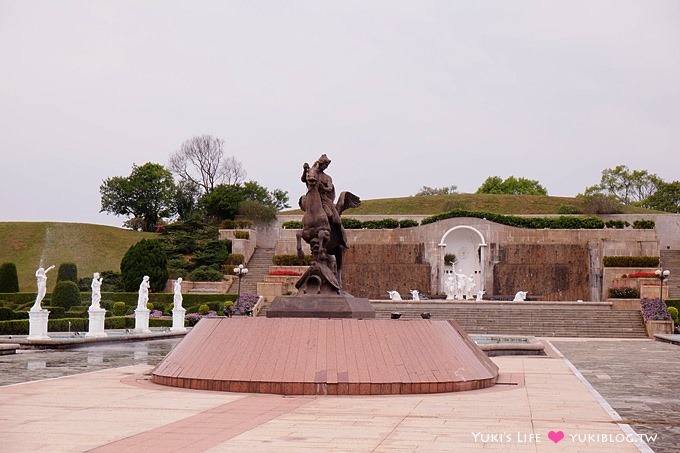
671,261
541,319
258,269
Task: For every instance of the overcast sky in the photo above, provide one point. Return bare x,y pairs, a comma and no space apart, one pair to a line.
399,94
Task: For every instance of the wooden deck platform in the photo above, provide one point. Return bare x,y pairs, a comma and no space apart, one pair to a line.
307,356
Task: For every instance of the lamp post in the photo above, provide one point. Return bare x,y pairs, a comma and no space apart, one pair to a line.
240,272
662,275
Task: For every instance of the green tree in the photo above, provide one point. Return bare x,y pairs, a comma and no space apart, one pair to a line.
9,280
512,186
224,202
628,187
67,272
666,198
427,190
66,295
148,194
147,257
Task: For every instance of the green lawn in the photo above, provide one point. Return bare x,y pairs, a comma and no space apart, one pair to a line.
94,248
498,204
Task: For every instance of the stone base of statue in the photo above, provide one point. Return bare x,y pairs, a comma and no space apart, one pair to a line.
142,320
321,306
37,325
178,320
96,325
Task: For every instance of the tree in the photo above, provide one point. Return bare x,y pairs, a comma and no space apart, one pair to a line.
200,160
187,200
67,272
666,198
628,187
66,294
147,194
512,186
225,201
147,257
427,190
9,280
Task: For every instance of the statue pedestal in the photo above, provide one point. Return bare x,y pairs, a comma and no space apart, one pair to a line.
178,320
321,306
142,320
37,325
96,325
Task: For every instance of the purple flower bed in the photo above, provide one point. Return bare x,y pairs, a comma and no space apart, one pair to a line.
654,310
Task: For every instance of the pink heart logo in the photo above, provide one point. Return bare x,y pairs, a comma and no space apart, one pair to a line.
556,436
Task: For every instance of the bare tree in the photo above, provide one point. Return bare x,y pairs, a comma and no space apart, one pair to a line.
200,160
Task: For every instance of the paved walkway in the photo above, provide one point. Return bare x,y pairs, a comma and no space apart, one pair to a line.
638,378
540,405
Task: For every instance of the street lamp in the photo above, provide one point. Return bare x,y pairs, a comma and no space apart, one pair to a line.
662,275
240,272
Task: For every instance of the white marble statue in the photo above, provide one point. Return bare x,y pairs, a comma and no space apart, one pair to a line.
41,277
394,295
521,296
450,287
177,298
415,294
461,282
143,298
96,290
480,295
469,286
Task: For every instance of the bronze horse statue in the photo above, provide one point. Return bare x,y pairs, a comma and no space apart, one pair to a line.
322,229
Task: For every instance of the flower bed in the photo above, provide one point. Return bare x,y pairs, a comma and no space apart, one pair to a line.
639,275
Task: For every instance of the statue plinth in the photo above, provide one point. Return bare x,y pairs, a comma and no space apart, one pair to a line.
96,324
37,324
178,320
321,306
142,320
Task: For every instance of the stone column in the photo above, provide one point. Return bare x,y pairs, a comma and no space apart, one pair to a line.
96,325
178,320
37,325
142,320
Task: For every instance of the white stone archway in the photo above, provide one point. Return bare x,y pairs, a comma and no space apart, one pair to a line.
469,246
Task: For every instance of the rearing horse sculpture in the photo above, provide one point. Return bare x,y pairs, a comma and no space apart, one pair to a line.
322,229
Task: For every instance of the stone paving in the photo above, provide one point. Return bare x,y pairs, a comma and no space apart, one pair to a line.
635,377
638,378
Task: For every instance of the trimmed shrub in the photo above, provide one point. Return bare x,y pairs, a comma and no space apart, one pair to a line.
562,222
291,260
6,314
204,309
68,272
623,292
350,223
55,311
206,274
234,259
643,224
630,261
618,224
147,257
9,281
294,225
674,314
119,309
66,295
408,223
214,252
240,234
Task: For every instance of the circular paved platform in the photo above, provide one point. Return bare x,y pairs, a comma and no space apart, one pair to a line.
294,356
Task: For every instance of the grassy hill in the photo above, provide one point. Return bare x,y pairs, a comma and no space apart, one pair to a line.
94,248
498,204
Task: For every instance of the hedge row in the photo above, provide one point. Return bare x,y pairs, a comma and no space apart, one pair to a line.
631,261
130,298
561,222
20,327
355,224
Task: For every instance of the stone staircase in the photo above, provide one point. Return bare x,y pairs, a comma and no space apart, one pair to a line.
543,319
258,268
671,261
